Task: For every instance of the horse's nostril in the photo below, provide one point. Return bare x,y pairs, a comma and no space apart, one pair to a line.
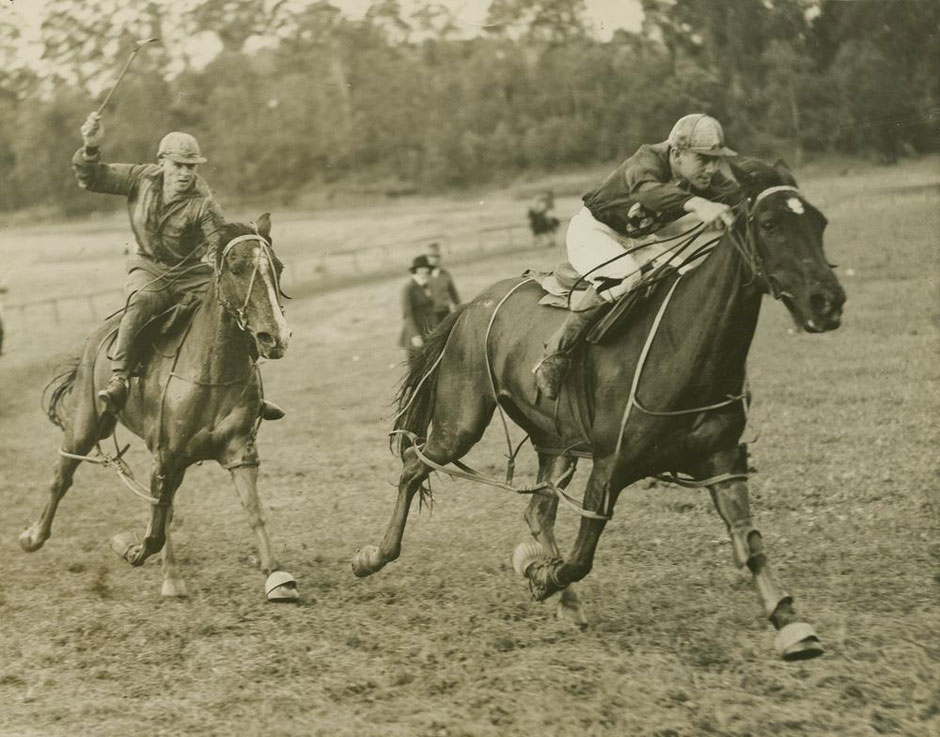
819,304
266,338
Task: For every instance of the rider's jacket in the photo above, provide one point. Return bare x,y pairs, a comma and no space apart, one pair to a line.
185,229
641,195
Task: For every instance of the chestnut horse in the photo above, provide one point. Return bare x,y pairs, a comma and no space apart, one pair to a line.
201,401
665,394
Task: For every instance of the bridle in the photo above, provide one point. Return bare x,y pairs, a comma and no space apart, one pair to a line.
749,246
239,313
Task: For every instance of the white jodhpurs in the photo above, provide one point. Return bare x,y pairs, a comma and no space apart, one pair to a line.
590,243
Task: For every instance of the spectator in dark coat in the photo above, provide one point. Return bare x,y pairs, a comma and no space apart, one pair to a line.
417,307
441,283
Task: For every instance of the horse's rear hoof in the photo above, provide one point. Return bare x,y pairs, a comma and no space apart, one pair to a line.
569,609
798,641
29,543
525,555
281,588
366,561
174,588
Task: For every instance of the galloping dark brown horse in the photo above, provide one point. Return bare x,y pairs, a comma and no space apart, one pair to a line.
671,414
199,402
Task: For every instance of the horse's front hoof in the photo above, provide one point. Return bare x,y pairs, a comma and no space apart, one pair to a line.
281,588
30,542
367,561
798,641
174,588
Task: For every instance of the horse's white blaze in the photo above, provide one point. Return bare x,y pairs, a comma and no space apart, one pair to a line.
266,267
795,205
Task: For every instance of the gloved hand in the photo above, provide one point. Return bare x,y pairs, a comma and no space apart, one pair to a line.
416,341
92,131
713,214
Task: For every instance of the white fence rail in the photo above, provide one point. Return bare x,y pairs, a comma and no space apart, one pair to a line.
328,269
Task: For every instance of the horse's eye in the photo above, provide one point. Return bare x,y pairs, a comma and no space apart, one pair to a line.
237,269
769,225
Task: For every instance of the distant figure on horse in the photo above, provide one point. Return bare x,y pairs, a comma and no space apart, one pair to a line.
542,220
617,234
176,223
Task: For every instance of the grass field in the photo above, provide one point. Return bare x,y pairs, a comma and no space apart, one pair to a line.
446,642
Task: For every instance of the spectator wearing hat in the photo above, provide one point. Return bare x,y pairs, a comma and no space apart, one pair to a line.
417,307
609,239
441,283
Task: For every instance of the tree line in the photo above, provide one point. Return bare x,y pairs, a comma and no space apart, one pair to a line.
302,97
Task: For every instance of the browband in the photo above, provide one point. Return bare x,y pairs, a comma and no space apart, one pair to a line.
772,190
242,239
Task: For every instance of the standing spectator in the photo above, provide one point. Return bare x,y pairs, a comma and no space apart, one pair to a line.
417,307
443,292
542,220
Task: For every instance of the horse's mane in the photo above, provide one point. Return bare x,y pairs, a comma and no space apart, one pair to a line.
755,175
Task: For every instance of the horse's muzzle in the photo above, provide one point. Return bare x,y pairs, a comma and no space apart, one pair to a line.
824,310
271,347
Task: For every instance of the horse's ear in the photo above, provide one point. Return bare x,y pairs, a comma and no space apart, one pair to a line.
264,225
786,176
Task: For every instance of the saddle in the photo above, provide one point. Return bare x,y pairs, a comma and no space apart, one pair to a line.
564,288
161,333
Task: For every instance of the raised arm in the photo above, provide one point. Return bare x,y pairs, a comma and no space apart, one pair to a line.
96,176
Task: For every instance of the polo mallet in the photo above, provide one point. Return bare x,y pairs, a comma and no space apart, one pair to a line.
138,47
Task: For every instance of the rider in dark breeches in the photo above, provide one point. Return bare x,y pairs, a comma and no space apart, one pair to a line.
150,294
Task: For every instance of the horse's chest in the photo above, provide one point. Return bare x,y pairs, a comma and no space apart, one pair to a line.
200,427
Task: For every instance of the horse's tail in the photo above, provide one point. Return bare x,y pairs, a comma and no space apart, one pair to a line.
58,389
415,398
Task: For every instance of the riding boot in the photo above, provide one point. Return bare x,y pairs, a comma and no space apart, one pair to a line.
550,370
114,395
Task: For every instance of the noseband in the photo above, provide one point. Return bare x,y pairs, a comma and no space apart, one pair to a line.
749,248
240,312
